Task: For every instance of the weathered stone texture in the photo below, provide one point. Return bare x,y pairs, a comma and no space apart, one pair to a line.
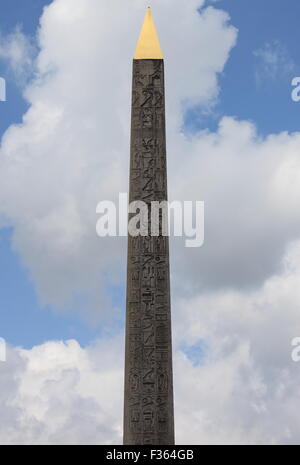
148,402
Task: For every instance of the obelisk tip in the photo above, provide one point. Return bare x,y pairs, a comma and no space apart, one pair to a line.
148,46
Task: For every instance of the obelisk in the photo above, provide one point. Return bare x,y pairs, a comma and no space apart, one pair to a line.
148,400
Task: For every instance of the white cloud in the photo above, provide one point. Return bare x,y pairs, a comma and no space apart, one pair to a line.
60,393
244,391
273,62
18,51
251,191
247,387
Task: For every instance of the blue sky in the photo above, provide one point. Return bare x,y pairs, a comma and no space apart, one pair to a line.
249,89
267,103
16,13
23,322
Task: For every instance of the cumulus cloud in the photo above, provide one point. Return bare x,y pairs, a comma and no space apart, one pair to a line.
246,387
242,390
60,393
273,62
250,186
18,51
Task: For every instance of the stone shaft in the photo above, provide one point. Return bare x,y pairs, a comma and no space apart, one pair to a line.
148,400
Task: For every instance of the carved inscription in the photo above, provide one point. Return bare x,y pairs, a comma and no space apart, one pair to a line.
148,407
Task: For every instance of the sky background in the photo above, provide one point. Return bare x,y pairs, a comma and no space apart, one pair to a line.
64,132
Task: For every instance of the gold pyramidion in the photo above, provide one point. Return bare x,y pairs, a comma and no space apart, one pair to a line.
148,46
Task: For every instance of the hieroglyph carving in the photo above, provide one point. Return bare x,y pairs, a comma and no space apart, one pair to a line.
148,406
